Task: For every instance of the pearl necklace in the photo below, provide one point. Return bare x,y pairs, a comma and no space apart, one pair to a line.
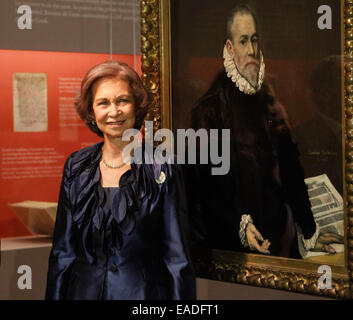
112,166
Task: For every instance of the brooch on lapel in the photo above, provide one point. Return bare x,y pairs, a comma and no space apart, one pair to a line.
161,178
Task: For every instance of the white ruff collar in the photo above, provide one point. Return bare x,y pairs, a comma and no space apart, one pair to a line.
242,83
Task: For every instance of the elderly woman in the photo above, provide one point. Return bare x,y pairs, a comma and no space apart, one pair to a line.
120,229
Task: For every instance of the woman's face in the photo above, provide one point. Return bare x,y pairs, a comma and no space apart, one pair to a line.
113,106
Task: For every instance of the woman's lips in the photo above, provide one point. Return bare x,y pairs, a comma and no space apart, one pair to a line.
115,123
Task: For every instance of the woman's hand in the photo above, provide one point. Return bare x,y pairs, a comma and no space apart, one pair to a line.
253,236
325,239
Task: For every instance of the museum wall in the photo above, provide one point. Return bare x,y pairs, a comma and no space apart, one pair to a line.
42,65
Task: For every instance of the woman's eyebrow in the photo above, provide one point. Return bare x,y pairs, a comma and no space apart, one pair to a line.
100,99
118,97
125,96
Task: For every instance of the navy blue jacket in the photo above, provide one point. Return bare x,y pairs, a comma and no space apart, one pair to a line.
145,254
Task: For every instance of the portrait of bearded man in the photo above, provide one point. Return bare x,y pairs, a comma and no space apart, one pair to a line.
262,204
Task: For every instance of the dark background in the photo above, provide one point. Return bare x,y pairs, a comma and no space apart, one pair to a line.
293,47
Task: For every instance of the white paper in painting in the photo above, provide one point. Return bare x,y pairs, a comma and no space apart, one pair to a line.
30,108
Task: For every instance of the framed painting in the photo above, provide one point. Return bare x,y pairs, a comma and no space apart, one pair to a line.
279,76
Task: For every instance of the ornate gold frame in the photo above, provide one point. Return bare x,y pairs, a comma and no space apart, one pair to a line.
264,271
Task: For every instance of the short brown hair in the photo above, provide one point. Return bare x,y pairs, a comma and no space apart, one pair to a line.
111,68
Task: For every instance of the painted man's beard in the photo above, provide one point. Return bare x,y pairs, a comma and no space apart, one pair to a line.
251,73
255,72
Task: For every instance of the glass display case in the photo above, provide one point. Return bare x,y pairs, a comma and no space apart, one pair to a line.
46,47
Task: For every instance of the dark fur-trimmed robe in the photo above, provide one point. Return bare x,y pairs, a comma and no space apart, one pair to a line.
266,179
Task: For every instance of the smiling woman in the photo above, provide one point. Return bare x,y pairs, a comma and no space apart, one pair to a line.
113,107
114,111
110,70
121,230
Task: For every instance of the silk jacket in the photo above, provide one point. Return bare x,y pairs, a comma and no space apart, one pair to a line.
144,254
